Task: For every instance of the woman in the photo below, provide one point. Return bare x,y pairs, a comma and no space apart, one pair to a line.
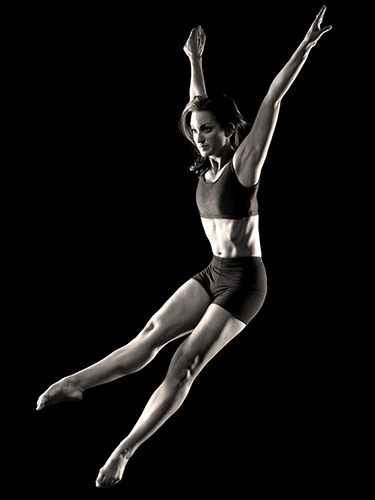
216,305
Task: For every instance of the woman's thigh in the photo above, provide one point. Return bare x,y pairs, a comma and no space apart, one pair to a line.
216,328
179,315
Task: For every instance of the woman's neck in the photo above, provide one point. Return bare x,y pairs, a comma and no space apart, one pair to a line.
218,162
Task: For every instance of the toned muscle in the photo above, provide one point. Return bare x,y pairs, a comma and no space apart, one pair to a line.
230,238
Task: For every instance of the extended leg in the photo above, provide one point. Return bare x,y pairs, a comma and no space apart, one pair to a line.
215,330
179,315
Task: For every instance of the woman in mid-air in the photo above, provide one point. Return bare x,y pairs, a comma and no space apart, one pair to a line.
215,305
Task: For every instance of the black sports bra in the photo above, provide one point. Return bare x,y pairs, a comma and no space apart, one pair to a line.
226,198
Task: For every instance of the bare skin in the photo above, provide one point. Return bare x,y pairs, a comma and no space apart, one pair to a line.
113,470
178,317
64,390
190,311
214,331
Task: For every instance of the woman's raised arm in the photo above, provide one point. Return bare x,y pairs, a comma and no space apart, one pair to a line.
194,48
249,157
287,75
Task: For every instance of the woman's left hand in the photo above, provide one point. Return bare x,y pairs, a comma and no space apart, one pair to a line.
194,47
316,32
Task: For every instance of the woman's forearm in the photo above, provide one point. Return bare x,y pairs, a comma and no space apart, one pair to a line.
194,48
197,84
287,75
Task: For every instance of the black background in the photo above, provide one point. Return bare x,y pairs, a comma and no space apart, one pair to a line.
109,230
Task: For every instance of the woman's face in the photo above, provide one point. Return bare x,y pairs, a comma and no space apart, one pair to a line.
208,135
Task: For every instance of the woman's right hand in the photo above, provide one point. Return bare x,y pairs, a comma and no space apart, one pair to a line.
194,46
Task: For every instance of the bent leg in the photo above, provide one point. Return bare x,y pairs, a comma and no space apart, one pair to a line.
213,332
178,316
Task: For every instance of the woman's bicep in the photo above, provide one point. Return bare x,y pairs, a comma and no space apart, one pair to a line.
249,157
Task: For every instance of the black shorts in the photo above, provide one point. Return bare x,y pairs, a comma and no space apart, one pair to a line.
238,285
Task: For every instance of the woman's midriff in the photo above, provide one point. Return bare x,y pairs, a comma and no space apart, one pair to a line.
231,238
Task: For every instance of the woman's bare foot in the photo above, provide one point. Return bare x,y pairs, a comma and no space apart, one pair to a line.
113,470
64,390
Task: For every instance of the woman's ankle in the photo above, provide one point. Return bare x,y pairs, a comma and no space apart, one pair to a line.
74,380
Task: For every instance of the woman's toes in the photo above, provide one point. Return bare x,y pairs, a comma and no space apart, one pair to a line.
101,480
64,390
41,403
113,470
98,482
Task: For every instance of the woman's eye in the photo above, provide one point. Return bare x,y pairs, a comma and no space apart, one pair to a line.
206,130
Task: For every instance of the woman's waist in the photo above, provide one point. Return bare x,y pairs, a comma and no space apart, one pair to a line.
236,261
236,268
238,238
231,251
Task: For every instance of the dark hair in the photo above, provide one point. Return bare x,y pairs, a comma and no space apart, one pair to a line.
226,111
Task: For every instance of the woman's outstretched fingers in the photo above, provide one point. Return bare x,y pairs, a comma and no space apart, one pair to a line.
315,32
319,21
320,16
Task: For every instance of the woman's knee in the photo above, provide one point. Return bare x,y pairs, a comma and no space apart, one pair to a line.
150,330
183,368
156,332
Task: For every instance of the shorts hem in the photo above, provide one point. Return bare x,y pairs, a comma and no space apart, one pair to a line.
233,314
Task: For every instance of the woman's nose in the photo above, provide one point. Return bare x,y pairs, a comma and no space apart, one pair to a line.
200,139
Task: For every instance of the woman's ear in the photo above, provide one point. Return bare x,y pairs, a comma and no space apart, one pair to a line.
229,131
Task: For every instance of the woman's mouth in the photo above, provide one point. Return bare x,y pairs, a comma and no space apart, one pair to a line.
204,148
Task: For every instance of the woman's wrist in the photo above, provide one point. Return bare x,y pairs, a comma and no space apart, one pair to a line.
305,48
195,58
